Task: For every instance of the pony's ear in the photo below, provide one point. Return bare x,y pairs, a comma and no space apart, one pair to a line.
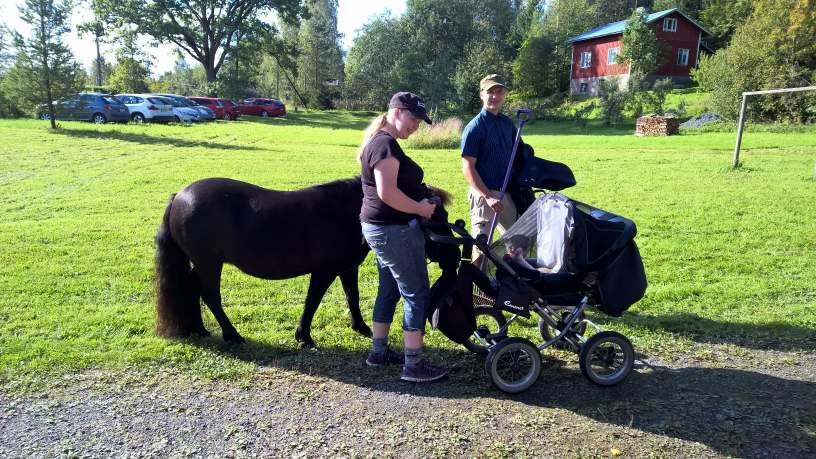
441,194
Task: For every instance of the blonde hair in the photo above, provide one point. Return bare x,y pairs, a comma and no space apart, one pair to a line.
373,127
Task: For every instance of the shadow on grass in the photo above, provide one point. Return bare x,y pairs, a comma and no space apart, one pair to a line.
357,121
772,336
146,139
734,412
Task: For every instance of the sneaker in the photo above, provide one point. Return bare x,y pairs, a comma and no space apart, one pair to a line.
379,359
423,372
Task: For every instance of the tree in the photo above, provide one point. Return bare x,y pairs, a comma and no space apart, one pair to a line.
773,49
129,75
96,27
691,8
45,68
641,49
320,61
722,17
533,68
370,74
207,30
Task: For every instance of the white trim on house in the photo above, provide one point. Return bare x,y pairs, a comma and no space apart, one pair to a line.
572,59
682,57
586,59
612,56
670,24
696,57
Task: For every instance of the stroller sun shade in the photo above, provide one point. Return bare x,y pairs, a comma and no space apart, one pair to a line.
564,235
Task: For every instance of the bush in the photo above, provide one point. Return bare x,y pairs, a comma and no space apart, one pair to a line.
612,99
442,135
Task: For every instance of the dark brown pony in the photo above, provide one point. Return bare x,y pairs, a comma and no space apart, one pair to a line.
268,234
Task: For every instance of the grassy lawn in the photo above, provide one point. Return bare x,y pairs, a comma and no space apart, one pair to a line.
730,255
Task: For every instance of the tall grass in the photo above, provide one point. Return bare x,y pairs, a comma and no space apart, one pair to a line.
440,135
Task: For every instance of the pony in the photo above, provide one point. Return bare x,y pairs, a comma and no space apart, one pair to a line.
268,234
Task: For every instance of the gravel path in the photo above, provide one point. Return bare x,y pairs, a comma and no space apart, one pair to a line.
761,404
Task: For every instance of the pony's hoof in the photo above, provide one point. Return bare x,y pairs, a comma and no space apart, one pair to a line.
363,329
234,338
307,344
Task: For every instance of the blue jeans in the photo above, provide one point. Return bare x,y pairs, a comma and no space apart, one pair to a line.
400,251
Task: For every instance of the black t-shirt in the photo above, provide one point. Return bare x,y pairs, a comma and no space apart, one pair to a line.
409,181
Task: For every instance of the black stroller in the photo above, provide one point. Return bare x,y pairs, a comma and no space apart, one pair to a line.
558,259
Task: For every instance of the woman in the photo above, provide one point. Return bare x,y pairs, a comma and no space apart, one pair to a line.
393,201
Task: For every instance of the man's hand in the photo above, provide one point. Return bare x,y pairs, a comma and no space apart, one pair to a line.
494,202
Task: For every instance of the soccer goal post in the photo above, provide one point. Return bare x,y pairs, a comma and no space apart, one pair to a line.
741,122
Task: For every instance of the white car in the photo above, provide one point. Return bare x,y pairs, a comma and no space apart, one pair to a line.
147,107
181,112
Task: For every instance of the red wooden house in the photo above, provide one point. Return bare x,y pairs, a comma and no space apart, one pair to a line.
595,53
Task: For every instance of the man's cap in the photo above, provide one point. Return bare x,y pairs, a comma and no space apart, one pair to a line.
411,102
492,80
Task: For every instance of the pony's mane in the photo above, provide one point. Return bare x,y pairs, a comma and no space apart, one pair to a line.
340,183
441,194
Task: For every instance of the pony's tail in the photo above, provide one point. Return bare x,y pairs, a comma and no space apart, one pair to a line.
177,286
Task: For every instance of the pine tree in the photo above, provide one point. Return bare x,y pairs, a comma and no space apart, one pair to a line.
42,58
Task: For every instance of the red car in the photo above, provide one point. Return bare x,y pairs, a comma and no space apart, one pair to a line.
224,108
263,107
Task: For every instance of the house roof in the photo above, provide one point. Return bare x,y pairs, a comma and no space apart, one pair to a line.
618,27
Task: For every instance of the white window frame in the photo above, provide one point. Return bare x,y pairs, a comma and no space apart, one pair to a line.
670,24
586,59
682,57
612,58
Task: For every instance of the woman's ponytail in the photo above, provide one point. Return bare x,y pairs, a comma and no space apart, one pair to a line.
373,127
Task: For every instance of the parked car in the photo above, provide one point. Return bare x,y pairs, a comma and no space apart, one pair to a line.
145,107
223,108
262,107
89,106
204,113
181,112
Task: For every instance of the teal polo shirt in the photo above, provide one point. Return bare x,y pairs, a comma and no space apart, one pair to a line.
489,138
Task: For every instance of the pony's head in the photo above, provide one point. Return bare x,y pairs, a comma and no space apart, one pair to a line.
446,255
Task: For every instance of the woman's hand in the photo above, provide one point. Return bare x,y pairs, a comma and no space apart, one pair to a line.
426,208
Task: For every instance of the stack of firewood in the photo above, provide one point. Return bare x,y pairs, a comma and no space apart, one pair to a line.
657,125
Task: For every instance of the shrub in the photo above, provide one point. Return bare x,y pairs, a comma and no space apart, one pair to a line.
443,134
612,100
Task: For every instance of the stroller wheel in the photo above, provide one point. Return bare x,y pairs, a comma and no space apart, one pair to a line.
548,332
607,358
489,320
514,364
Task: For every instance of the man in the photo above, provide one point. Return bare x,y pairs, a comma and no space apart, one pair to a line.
487,142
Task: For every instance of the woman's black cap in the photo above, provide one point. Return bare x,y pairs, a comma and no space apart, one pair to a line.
411,102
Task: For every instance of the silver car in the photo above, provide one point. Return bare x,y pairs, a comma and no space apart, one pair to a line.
181,112
204,113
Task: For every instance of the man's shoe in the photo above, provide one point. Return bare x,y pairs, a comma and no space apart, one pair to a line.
423,372
379,359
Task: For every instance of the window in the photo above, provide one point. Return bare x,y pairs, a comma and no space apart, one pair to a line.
670,25
682,57
582,88
612,55
586,59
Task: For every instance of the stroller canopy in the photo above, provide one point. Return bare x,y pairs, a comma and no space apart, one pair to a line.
565,235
